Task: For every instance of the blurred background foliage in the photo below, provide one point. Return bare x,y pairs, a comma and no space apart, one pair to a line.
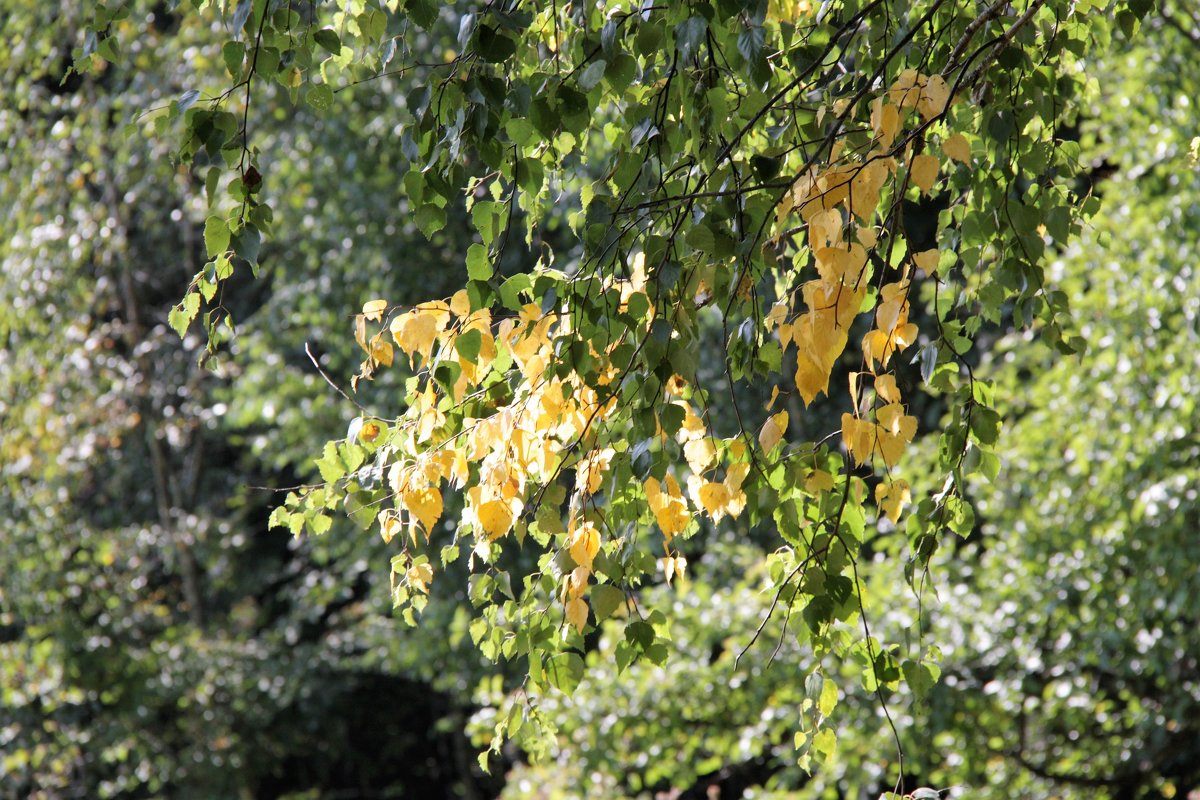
157,641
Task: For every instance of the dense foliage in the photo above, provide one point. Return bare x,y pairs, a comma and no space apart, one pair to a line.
631,260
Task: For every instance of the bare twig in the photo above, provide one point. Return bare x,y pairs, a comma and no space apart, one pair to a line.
329,380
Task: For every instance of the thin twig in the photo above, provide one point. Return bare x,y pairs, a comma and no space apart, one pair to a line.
329,380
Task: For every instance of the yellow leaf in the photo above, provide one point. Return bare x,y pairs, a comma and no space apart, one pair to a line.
891,498
693,426
699,453
713,497
957,148
426,505
906,91
667,563
735,476
577,613
824,230
885,387
890,446
934,97
927,260
419,576
576,582
416,330
669,507
885,121
389,525
369,432
495,517
818,481
864,188
893,420
811,378
373,310
590,472
381,351
858,436
923,170
867,237
772,431
775,316
460,303
877,346
774,397
585,543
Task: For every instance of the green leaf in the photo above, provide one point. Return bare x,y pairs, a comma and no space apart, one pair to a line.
985,425
319,96
330,464
591,74
329,40
181,316
216,236
606,599
479,268
468,344
564,672
234,55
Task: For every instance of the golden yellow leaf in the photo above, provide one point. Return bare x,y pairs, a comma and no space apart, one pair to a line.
699,453
373,310
818,481
381,351
389,525
957,148
877,346
935,95
923,170
667,564
906,91
858,436
885,121
426,505
577,613
415,332
495,517
460,303
713,497
927,260
419,576
825,230
576,582
889,446
904,335
369,432
864,188
585,543
590,472
669,507
772,431
775,316
693,426
892,497
885,387
893,420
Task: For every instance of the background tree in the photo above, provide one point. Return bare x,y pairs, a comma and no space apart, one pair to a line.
156,639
